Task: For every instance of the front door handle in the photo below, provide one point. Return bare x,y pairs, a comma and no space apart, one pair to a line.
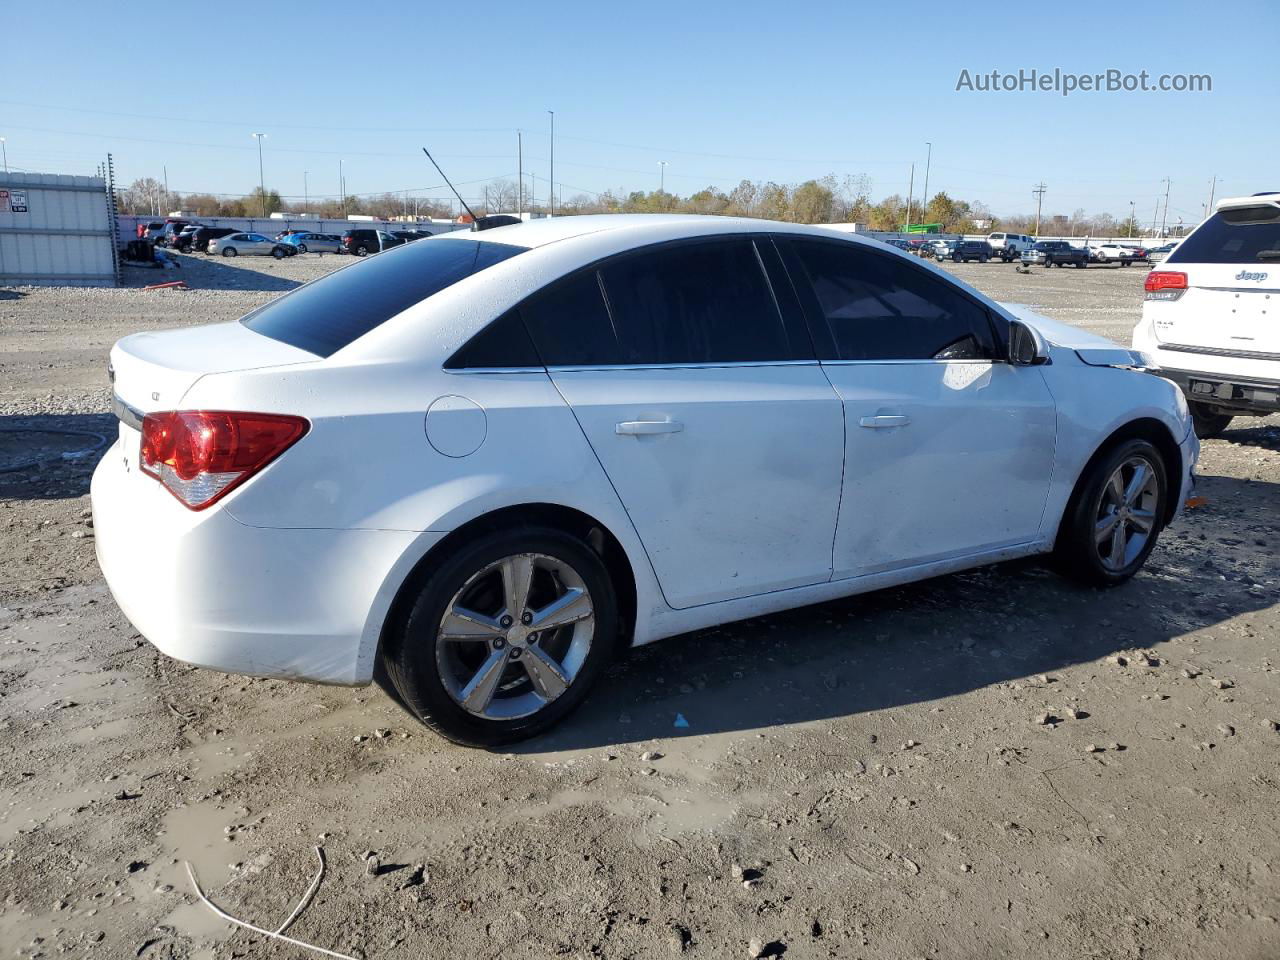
879,423
647,428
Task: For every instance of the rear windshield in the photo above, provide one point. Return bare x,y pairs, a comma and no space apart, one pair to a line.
327,314
1240,235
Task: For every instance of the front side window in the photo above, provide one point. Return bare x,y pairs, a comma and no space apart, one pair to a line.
878,308
325,315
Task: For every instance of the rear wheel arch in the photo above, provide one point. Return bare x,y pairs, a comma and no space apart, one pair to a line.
582,526
1155,433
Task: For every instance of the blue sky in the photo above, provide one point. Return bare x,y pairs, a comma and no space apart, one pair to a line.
720,91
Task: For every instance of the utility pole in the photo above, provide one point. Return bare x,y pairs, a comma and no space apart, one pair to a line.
1208,211
520,174
551,185
4,150
911,188
1132,218
924,201
1164,221
262,182
1039,192
165,169
1155,216
662,176
306,202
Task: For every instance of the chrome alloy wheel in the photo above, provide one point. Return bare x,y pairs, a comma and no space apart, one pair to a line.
1126,517
514,637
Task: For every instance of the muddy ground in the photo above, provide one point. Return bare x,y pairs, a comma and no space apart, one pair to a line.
866,778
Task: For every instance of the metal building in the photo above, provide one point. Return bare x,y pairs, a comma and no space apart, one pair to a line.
57,229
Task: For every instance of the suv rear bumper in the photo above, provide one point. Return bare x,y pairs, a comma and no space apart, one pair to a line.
1232,394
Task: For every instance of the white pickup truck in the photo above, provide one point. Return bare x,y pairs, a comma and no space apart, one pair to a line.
1209,320
1010,246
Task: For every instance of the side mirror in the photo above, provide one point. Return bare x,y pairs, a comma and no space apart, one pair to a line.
1026,347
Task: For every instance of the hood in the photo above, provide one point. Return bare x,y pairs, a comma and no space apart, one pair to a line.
1089,347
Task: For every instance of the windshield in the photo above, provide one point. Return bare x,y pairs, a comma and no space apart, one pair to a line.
1236,235
325,315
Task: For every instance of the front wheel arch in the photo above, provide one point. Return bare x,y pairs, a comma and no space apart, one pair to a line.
574,522
1155,433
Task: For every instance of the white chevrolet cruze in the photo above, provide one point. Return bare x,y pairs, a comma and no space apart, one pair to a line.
492,459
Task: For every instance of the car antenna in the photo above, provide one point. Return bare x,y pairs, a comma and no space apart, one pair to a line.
477,223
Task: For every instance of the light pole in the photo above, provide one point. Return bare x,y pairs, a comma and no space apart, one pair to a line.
1208,211
924,201
551,185
262,182
911,189
662,176
1164,220
342,189
1039,192
5,151
306,202
1133,216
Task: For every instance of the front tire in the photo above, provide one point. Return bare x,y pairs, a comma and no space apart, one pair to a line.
505,636
1114,517
302,248
1208,423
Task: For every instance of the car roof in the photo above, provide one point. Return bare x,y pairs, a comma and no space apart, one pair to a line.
643,227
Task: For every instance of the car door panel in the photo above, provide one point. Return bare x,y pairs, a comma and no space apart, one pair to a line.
944,459
731,475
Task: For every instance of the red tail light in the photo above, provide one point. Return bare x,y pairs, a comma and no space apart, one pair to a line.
201,455
1165,284
1165,280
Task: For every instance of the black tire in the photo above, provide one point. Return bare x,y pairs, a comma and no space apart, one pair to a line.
302,248
279,253
230,252
1081,264
1208,423
982,259
410,651
362,251
1077,554
1125,263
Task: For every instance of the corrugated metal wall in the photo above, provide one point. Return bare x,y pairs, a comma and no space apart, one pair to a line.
56,230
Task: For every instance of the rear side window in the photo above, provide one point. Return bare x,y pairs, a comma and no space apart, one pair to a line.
1242,235
325,315
879,308
696,303
570,324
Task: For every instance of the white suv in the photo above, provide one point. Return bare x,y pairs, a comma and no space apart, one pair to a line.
1210,320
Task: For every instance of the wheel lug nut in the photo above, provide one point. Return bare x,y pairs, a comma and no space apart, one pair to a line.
506,622
499,643
526,618
515,653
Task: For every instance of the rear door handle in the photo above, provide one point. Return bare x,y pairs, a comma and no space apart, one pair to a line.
879,423
647,428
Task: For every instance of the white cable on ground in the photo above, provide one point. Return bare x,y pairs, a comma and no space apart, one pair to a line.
249,926
307,897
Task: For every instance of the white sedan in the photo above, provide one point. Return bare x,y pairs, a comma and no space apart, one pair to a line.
495,459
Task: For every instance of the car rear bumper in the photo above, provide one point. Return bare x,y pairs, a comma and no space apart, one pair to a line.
1231,394
204,588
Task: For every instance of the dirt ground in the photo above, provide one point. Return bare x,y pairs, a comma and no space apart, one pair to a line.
866,778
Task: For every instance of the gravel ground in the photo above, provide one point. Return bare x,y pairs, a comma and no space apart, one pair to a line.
993,764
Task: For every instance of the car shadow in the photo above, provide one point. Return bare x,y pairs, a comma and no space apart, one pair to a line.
51,456
203,272
935,639
9,294
1267,437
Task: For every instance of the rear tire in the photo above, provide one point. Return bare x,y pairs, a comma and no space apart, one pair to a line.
362,251
443,681
1114,517
302,248
279,253
229,252
1209,424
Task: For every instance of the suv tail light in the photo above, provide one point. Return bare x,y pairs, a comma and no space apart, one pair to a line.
1165,284
201,455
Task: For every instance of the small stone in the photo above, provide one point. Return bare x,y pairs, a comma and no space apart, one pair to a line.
1045,719
911,865
649,756
858,767
966,868
1190,672
359,738
736,871
1226,729
648,771
1271,725
1093,748
1223,684
680,938
165,888
910,745
1118,659
1075,714
751,884
1117,747
381,734
371,865
755,948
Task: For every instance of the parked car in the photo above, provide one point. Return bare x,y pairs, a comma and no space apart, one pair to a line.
1122,253
305,242
965,250
201,237
903,245
1056,253
1157,254
408,236
144,229
185,238
938,249
169,232
250,245
1209,315
652,460
363,242
1009,246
